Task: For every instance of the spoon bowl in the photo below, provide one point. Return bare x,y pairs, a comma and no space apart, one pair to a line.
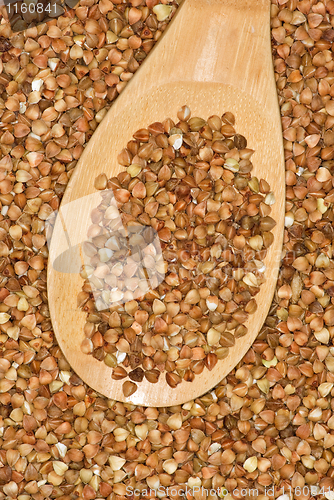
215,57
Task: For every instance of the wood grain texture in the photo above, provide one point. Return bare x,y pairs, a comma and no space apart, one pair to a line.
215,57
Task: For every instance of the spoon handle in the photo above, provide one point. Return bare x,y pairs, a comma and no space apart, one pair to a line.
220,41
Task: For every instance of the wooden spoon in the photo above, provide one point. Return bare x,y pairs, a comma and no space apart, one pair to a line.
215,57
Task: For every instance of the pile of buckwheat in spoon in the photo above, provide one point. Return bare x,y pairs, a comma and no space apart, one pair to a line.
191,183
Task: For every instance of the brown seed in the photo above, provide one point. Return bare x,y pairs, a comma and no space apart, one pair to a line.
119,373
173,379
227,339
152,376
101,182
137,375
129,388
210,361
